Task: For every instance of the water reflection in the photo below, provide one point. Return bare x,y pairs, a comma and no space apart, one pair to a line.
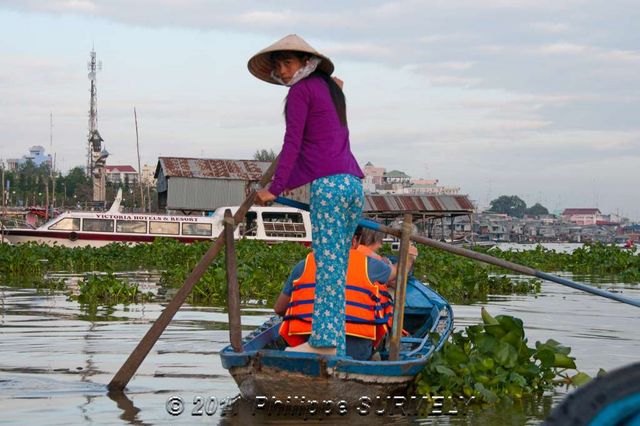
129,410
56,359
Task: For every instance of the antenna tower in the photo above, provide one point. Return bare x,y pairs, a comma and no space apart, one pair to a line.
96,155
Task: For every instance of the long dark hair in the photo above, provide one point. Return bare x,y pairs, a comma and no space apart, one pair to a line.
337,95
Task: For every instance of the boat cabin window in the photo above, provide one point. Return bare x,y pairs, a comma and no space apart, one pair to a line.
196,229
97,225
164,228
132,226
67,224
249,228
288,224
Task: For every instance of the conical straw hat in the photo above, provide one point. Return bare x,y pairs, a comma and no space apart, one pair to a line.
260,64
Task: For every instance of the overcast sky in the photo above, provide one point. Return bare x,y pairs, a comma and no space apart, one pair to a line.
535,98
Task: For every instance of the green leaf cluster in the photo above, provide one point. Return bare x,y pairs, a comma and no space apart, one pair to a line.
590,259
109,290
262,268
463,281
493,363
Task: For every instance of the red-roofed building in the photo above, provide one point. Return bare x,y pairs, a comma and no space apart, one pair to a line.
121,174
581,216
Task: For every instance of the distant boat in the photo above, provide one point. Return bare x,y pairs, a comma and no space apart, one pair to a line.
78,228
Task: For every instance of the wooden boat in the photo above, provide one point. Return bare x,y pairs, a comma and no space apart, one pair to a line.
264,370
78,228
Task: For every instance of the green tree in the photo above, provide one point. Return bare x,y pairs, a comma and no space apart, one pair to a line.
537,210
511,205
77,183
265,155
28,181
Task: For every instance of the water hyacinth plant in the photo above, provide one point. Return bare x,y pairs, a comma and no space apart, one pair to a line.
262,268
493,363
109,290
590,259
463,281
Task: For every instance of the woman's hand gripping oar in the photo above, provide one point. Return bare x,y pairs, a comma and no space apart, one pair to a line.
366,223
129,368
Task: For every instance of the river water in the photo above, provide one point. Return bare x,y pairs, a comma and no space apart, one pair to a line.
55,360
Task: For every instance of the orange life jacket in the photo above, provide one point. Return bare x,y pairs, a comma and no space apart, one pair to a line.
363,317
386,300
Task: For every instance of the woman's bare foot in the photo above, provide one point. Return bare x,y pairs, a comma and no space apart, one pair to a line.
306,347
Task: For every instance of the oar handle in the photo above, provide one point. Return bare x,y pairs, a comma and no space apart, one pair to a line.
366,223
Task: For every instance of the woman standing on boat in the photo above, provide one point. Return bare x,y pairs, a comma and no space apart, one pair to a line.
316,150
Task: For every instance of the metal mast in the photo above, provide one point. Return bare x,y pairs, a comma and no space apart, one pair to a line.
96,155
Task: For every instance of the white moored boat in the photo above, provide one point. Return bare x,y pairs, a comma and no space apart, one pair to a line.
75,229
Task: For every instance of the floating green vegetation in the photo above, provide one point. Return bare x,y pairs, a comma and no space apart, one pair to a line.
492,362
50,286
109,290
591,259
461,280
262,269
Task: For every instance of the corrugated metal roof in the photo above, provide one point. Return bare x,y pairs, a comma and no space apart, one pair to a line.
397,203
567,212
213,168
122,168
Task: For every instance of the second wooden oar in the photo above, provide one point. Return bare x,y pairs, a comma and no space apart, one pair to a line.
129,368
366,223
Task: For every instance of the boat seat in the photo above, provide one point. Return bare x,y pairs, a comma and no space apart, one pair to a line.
409,343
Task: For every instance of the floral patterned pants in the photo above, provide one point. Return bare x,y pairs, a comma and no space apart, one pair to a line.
336,206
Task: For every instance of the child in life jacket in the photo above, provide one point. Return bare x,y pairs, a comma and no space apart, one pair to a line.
365,320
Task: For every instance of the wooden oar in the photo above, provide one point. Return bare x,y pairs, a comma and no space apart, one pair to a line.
233,291
129,368
401,289
366,223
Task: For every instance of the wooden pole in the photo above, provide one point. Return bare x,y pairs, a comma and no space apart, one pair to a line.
4,203
129,368
473,239
148,198
135,117
451,219
233,290
46,197
401,289
4,190
53,182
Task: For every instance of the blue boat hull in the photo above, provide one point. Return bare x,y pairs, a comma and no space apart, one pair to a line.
272,373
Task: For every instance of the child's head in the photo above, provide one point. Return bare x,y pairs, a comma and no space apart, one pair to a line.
371,239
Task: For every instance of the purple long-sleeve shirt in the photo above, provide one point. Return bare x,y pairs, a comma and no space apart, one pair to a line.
316,144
